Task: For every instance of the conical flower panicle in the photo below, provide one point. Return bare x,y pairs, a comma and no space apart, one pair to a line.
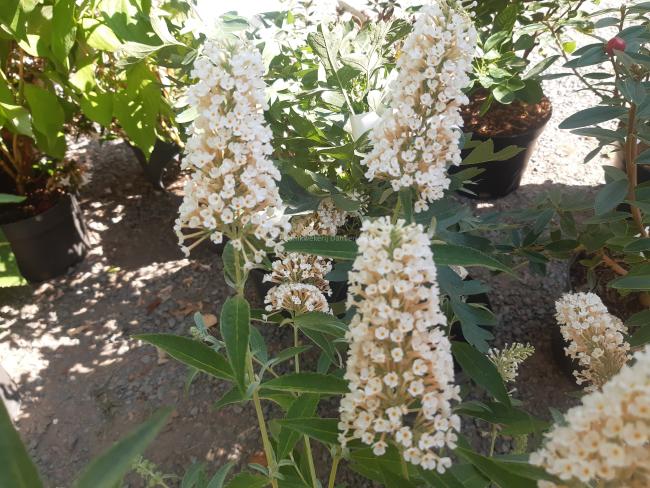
233,187
596,338
605,441
400,369
418,136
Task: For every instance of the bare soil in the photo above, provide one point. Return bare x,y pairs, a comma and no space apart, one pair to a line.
504,120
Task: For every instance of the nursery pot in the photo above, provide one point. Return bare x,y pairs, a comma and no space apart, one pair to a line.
46,245
162,155
500,178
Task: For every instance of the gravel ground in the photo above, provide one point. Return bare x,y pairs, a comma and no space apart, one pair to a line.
84,382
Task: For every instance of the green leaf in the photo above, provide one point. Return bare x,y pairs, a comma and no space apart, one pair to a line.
637,245
100,36
219,477
484,152
639,319
540,67
308,383
471,318
47,117
192,353
324,246
323,430
98,107
304,406
610,196
591,116
193,475
638,279
321,322
235,330
569,46
136,109
18,117
640,337
18,470
107,470
495,471
478,367
247,480
451,254
63,30
516,421
446,480
7,198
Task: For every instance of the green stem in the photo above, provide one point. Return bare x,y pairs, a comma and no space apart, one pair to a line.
335,465
310,457
296,343
630,156
310,462
493,440
398,208
266,443
405,469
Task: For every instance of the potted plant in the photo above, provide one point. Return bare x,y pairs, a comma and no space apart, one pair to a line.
606,241
42,61
507,104
615,238
146,59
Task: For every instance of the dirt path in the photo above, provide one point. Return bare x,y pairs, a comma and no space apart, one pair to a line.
66,343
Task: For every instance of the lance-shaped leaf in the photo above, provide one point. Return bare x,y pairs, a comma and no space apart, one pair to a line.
192,353
18,470
308,383
107,470
235,330
478,367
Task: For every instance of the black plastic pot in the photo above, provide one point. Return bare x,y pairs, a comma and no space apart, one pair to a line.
46,245
500,178
163,154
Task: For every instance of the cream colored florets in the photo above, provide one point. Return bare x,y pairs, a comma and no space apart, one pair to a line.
297,298
302,275
233,189
596,338
418,136
325,221
606,439
508,359
400,370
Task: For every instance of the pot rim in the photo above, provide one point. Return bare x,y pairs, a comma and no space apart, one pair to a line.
528,132
65,199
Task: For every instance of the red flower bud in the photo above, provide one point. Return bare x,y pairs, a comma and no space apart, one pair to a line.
615,44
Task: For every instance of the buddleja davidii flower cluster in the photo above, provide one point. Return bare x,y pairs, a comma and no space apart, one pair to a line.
596,338
300,281
399,368
508,359
606,439
233,187
418,137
